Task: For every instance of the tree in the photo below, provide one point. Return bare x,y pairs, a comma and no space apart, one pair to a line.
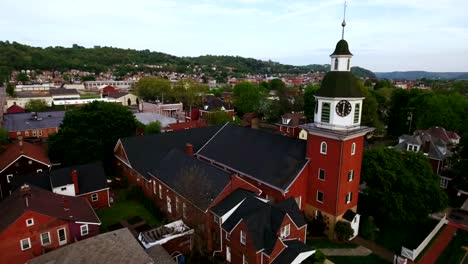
153,128
247,97
277,84
401,187
343,231
309,101
189,92
367,228
3,136
22,77
10,89
36,105
152,88
370,116
459,162
89,133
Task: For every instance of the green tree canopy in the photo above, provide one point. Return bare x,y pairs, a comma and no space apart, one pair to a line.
10,89
188,92
36,105
277,84
220,118
3,136
153,128
309,101
152,88
89,133
247,97
401,187
22,77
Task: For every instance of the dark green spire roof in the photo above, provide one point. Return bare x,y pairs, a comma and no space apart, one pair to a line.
342,48
339,84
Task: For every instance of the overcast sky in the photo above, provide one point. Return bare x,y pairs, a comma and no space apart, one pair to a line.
384,35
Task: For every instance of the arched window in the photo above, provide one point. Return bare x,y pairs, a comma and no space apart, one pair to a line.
353,148
323,148
349,62
336,64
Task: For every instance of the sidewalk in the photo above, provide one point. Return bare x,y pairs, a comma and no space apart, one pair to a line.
439,245
376,249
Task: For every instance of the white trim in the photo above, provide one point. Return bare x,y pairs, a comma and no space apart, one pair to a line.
285,228
22,155
323,196
243,235
86,228
324,174
32,222
353,148
82,194
123,161
92,197
217,132
88,223
62,242
42,241
321,147
297,176
29,244
8,177
351,172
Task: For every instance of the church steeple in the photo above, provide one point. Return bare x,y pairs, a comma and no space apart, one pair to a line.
341,57
343,24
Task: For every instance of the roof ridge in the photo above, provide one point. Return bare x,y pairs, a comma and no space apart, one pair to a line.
209,140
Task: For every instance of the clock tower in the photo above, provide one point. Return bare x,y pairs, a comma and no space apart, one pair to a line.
335,143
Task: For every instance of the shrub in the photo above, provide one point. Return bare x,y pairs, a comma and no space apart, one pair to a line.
368,228
343,231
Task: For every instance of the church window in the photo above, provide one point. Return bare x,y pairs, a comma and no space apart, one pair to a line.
349,197
356,113
336,64
353,148
321,174
320,196
323,148
349,62
325,118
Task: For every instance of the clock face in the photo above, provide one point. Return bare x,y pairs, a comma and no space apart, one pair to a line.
343,108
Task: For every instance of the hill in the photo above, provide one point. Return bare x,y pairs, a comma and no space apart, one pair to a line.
16,56
415,75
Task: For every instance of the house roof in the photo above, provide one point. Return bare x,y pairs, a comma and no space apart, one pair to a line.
14,151
15,109
292,119
91,177
32,198
187,125
270,158
434,147
263,222
440,133
149,117
339,84
293,249
117,95
193,179
213,103
63,91
342,48
349,215
160,255
145,152
232,200
41,180
113,247
26,121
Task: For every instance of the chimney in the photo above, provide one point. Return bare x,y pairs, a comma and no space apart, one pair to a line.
26,191
74,178
189,149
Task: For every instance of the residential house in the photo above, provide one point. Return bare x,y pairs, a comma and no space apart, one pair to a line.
125,98
22,98
108,89
35,125
14,109
64,94
18,159
290,122
177,126
35,221
115,247
98,85
254,231
88,181
436,144
211,103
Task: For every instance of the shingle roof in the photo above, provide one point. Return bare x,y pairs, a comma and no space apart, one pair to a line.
14,151
232,200
270,158
293,249
47,203
195,180
115,247
263,221
25,121
117,95
339,84
41,180
349,215
342,48
294,119
145,152
159,255
91,177
435,148
213,103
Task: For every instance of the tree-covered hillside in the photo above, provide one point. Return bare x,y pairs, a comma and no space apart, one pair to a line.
16,56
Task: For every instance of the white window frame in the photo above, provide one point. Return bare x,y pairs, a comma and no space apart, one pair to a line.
30,220
84,230
48,237
28,240
34,133
154,188
444,182
29,162
324,174
243,238
323,147
62,242
357,113
215,219
350,175
228,236
322,114
323,196
353,148
177,204
160,191
349,198
285,231
184,210
8,178
169,206
39,170
244,259
94,197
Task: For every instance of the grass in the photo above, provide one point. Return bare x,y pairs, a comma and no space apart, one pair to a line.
89,96
454,253
410,236
370,259
326,243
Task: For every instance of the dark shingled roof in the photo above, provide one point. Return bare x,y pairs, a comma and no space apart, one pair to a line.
91,177
145,152
341,48
349,215
339,84
290,206
41,180
232,200
63,91
263,221
293,249
47,203
270,158
195,180
25,121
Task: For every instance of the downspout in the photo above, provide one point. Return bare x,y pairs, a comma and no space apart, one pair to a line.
220,238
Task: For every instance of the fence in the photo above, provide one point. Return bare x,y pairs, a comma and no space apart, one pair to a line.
413,254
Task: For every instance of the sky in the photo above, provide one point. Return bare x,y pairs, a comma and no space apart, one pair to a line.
384,35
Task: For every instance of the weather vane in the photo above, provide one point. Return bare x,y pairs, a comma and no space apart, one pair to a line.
344,20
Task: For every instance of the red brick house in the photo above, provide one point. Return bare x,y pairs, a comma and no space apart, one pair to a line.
185,125
14,109
108,89
35,221
87,180
35,125
289,124
18,159
254,231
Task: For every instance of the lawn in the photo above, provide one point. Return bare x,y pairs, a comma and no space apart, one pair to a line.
409,236
454,253
326,243
89,96
370,259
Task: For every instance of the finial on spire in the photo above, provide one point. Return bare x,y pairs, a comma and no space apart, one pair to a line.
343,24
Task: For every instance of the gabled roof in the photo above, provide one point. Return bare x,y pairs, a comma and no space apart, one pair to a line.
14,109
26,121
263,221
41,180
91,177
292,119
14,151
292,251
434,147
271,158
145,152
213,103
32,198
117,95
193,179
232,200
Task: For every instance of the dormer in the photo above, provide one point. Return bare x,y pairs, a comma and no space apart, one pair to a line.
285,120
